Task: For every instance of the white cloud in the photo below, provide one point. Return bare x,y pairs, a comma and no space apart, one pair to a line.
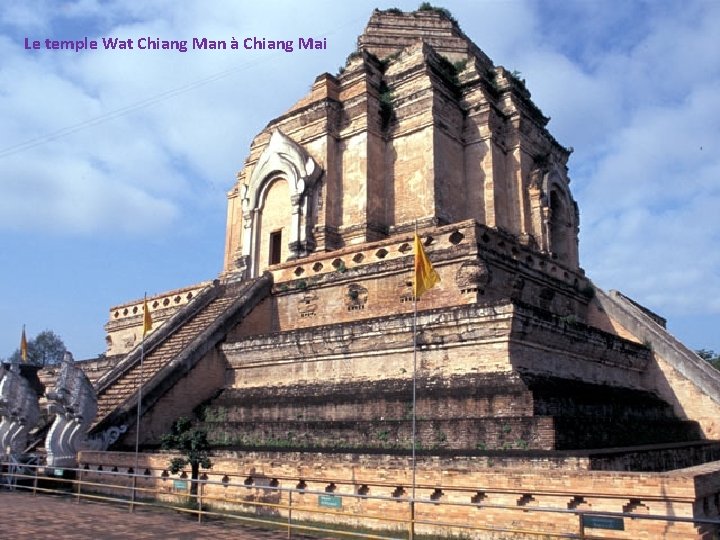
145,125
648,206
88,198
25,14
631,86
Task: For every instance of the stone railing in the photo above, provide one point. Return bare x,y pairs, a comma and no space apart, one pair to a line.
124,326
457,238
456,496
174,298
649,330
197,302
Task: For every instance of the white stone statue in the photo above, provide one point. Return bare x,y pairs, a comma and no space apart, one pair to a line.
19,410
74,403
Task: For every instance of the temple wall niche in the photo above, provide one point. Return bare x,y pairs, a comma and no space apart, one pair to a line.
273,224
320,207
376,215
496,192
332,208
526,227
513,198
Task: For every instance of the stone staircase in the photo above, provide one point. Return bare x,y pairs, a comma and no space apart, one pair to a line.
647,328
679,375
174,348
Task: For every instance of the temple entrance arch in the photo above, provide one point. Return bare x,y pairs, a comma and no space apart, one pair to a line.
273,224
275,206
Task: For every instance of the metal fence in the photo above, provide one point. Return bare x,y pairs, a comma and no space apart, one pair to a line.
344,515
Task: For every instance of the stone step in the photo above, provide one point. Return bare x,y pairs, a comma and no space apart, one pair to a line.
490,433
519,433
127,384
469,395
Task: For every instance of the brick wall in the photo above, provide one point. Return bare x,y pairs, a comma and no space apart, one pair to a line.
200,384
509,495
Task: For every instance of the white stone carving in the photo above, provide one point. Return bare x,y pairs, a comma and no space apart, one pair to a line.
284,158
74,403
19,410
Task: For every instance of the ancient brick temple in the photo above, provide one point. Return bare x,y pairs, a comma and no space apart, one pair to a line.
305,341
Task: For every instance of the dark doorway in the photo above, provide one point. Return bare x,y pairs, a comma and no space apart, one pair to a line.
275,247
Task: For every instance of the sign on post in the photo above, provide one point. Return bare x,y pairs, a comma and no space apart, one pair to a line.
330,501
180,485
603,522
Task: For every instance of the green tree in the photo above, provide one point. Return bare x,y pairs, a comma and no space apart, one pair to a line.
47,348
710,356
192,444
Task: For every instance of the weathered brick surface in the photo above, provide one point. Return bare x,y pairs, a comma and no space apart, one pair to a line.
405,140
199,385
676,373
404,136
504,497
128,383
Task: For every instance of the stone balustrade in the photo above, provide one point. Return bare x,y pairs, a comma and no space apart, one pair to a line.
124,327
466,236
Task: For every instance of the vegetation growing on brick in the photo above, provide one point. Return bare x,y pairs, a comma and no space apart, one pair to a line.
427,6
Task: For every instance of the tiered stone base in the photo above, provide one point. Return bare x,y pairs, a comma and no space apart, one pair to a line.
500,411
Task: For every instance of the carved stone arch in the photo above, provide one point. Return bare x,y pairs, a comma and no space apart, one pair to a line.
268,181
272,222
561,218
553,179
282,156
286,159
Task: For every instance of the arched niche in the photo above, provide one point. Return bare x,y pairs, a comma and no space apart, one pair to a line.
273,223
559,216
562,219
559,225
270,216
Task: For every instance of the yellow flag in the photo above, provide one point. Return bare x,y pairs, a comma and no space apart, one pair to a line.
147,319
425,275
23,346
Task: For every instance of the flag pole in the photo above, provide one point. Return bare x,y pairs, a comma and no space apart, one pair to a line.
424,277
23,353
137,419
414,394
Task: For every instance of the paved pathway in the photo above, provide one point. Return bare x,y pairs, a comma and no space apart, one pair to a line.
58,518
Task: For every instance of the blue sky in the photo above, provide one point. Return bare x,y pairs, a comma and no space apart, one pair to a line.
114,165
